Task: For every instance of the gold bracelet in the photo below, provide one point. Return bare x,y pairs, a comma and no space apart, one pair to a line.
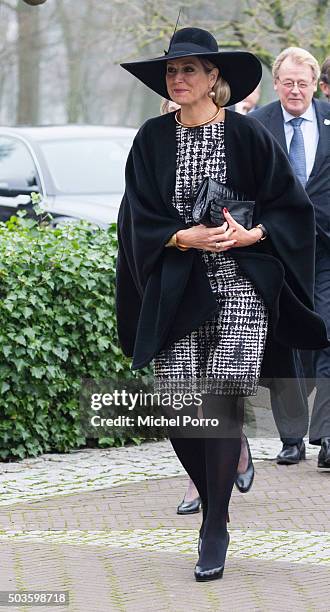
179,246
173,242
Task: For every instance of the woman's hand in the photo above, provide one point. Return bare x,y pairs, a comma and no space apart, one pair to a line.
242,236
213,239
217,239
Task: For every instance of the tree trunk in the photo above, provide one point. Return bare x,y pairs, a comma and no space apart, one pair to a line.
28,59
75,47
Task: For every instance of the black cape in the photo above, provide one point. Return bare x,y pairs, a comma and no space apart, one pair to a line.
164,293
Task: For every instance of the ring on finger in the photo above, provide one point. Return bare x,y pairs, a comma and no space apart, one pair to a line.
217,245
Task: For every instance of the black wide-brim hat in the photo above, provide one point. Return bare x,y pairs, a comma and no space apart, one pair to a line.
241,69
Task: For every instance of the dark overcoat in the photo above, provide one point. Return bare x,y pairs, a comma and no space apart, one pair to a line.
164,293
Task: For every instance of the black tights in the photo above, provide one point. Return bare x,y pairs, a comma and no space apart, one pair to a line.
212,465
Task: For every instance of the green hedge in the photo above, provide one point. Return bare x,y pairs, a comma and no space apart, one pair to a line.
57,326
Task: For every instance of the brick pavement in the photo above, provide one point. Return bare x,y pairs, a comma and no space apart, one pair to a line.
109,581
106,577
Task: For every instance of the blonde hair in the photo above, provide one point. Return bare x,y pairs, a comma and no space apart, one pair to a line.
299,56
221,88
165,106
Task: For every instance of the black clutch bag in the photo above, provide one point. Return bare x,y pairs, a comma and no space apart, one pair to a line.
212,197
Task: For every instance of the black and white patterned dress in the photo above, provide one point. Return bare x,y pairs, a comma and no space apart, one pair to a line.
224,355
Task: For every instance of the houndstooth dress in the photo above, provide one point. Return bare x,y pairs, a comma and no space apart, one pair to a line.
224,355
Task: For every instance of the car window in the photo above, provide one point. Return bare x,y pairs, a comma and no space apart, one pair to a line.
17,168
87,165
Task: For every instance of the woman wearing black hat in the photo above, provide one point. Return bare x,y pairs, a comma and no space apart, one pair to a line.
215,305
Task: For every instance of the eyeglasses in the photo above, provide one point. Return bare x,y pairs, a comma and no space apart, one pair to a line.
291,84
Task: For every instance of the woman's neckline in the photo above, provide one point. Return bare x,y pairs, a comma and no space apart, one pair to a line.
199,127
221,121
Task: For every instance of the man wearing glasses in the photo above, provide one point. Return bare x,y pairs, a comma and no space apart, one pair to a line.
301,124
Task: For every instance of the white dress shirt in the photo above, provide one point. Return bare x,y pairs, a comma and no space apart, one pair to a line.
310,133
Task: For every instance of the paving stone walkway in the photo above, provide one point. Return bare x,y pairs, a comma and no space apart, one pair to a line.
102,525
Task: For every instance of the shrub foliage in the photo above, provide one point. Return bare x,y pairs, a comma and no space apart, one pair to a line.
57,291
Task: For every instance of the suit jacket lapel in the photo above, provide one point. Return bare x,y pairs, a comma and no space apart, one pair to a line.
276,125
323,143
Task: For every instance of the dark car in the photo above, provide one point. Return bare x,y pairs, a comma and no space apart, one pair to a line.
78,170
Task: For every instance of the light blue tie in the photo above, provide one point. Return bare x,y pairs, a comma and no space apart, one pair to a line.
297,151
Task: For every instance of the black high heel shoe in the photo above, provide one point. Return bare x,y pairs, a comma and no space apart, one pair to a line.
213,573
244,481
189,507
